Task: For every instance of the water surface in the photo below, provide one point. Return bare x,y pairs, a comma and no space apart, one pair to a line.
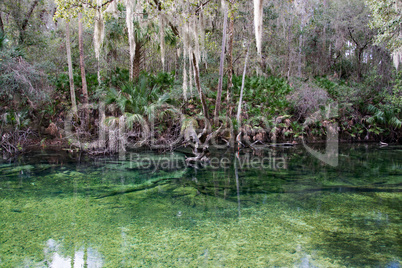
276,207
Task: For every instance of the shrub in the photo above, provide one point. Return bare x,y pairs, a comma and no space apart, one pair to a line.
21,82
307,98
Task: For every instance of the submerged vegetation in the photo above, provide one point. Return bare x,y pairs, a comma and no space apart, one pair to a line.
122,213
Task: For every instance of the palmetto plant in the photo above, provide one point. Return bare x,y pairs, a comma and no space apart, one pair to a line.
136,100
138,105
132,98
384,120
386,117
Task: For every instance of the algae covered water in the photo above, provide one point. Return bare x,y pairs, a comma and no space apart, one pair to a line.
274,207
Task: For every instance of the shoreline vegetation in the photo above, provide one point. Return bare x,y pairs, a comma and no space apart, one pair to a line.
164,123
111,76
170,124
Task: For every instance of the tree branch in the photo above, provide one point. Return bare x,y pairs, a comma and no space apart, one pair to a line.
353,39
159,7
201,6
107,3
25,21
88,4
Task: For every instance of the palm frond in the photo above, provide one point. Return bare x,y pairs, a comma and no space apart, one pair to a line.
112,121
134,118
387,117
395,122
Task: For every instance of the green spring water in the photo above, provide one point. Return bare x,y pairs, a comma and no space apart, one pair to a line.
275,208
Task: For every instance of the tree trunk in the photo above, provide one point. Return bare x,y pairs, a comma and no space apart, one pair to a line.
358,54
177,64
299,64
359,64
82,67
130,7
137,60
289,51
242,89
70,69
162,40
258,29
230,58
219,93
197,82
1,25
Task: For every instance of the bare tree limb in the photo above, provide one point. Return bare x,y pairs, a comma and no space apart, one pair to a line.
24,23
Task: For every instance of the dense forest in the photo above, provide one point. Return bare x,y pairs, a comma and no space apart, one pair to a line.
101,75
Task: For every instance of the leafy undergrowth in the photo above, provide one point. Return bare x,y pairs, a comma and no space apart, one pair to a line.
275,109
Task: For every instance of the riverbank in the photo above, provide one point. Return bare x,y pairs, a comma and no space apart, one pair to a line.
274,110
247,137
